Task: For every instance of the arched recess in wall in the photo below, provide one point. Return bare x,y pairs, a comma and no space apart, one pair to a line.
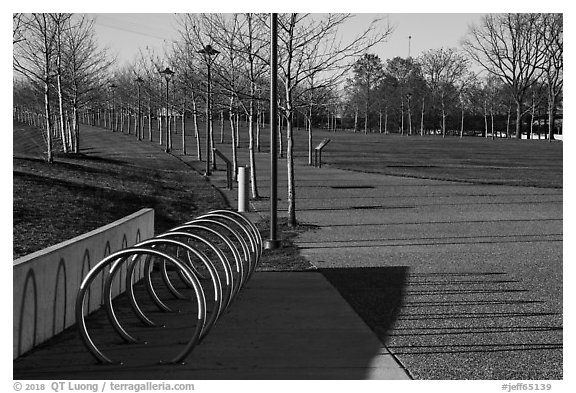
60,296
104,272
28,322
85,269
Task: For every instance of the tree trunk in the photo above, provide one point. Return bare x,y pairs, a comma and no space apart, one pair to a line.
121,120
222,126
443,120
254,187
380,121
422,119
69,129
233,141
49,156
402,116
551,106
62,124
76,126
485,120
409,119
258,128
356,120
160,128
196,131
280,137
386,121
366,119
309,121
184,124
237,130
150,119
492,121
290,166
462,123
76,131
508,123
519,120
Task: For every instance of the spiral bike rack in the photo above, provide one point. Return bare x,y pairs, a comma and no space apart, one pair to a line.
233,242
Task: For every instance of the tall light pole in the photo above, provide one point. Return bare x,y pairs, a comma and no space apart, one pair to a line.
113,87
167,73
273,242
208,53
138,123
409,40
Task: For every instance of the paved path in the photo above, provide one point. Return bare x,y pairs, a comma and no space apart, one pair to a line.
459,281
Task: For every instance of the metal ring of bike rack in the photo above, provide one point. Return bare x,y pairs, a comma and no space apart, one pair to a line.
232,231
221,256
238,237
216,281
228,242
92,274
250,236
250,224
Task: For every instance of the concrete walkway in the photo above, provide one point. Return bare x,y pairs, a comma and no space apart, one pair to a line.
282,326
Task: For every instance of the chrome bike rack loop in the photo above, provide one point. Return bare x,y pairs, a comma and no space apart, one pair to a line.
247,260
233,249
92,274
216,281
221,257
251,238
224,233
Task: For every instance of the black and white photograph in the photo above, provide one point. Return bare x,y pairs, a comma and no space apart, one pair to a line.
206,194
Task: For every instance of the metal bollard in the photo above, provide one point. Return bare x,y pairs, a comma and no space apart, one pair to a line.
242,189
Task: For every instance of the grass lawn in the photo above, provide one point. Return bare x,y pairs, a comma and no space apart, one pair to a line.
79,193
76,194
512,162
52,203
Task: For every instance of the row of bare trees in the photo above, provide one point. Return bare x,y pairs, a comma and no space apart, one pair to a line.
521,55
57,54
313,57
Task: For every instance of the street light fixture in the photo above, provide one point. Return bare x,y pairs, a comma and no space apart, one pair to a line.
113,87
139,81
167,73
209,52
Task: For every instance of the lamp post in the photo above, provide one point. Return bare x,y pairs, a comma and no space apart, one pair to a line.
273,242
208,53
138,123
113,86
167,73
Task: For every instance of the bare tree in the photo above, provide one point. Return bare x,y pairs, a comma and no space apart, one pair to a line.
553,47
511,47
442,68
302,37
85,66
60,22
19,24
34,58
243,38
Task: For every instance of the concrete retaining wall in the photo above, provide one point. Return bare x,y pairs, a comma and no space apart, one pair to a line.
45,283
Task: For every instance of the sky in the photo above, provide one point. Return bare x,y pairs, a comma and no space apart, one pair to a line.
125,34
